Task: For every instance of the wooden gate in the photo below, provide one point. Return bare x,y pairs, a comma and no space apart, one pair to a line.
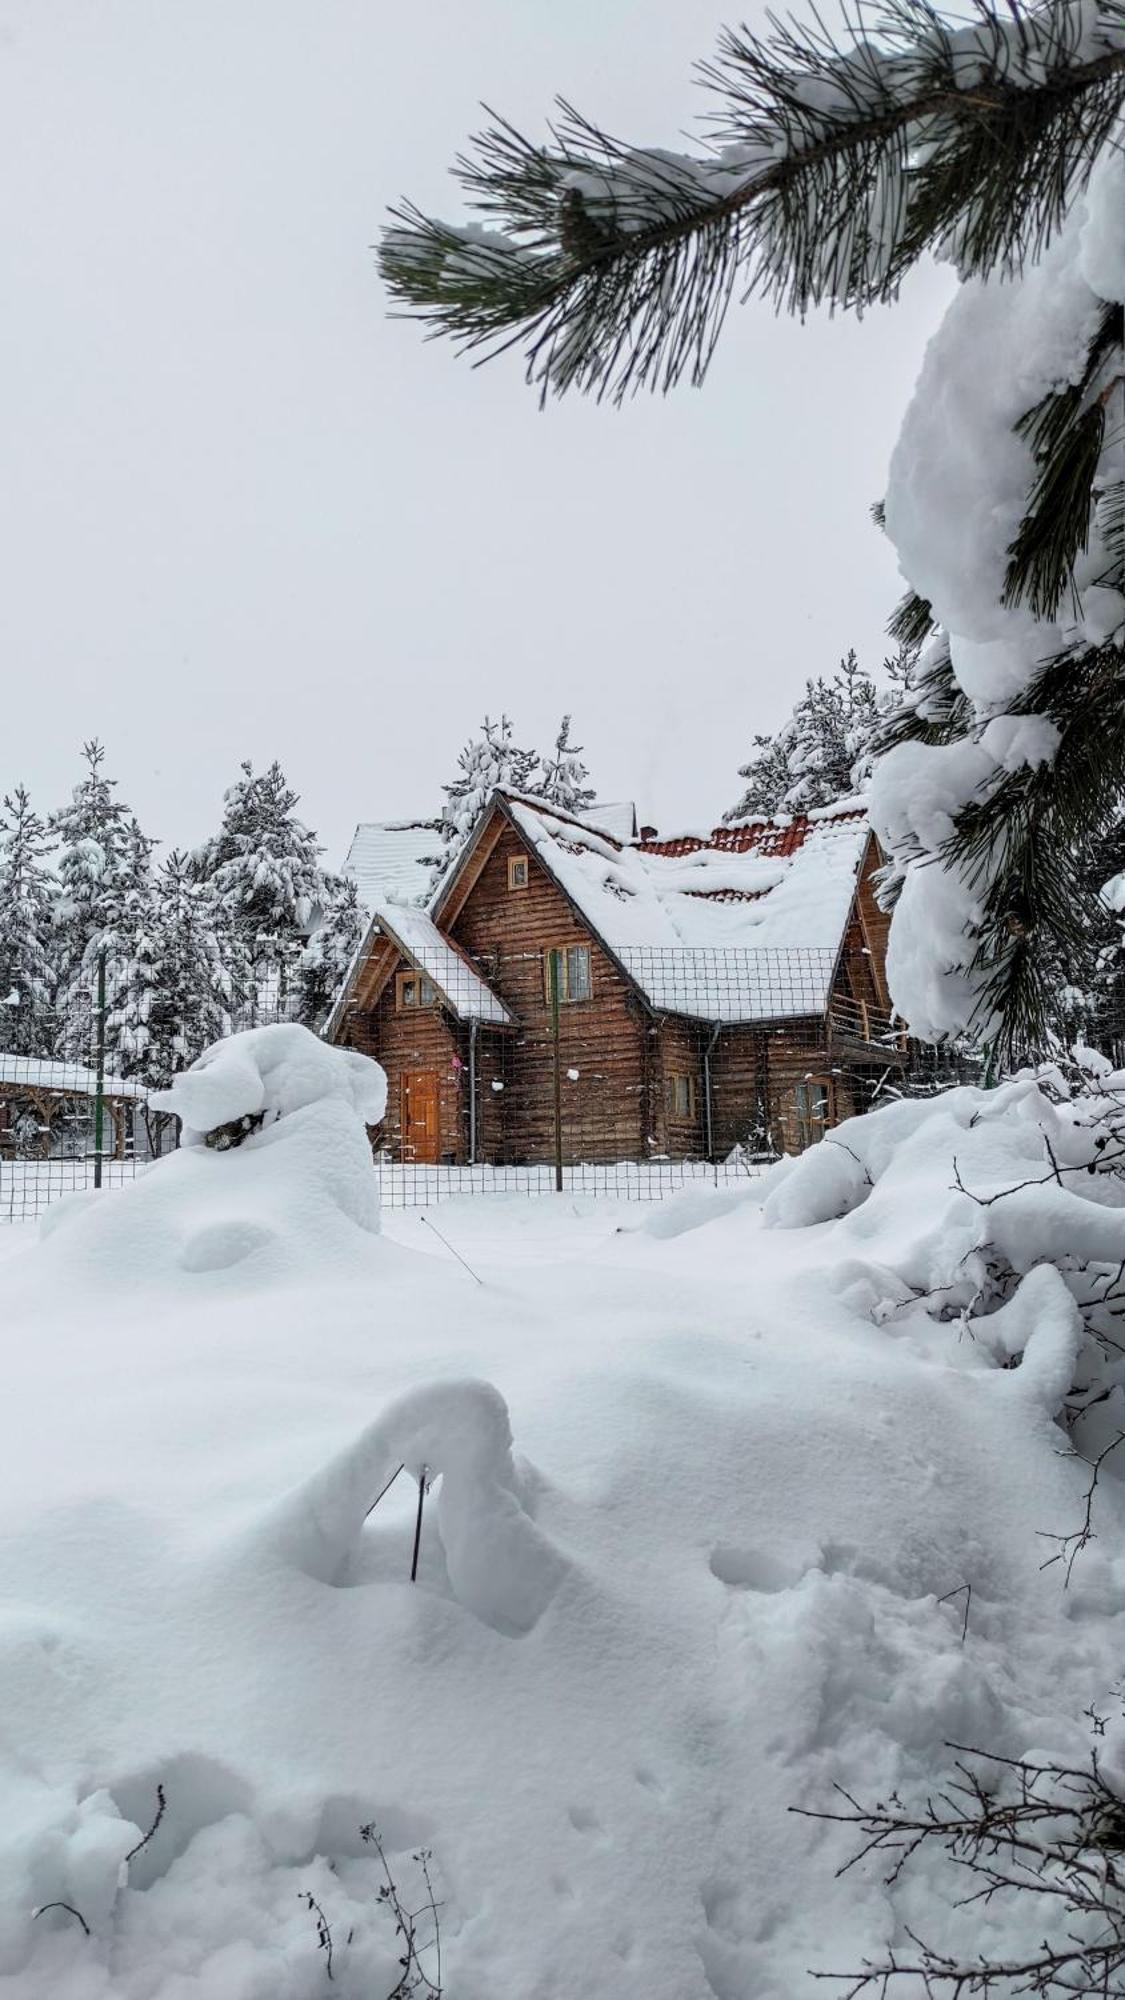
421,1116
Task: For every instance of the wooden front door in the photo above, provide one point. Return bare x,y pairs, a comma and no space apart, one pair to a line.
421,1121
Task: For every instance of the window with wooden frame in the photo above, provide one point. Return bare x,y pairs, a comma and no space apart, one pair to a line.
682,1096
517,871
412,991
575,975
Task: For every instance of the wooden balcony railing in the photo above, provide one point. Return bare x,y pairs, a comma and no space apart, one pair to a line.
865,1022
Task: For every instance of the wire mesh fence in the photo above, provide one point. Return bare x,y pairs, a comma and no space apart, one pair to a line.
518,1071
74,1089
559,1066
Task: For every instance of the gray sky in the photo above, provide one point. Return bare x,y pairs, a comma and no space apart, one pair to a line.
245,514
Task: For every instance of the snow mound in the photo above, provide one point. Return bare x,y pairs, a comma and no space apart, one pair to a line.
983,1204
273,1176
266,1074
500,1566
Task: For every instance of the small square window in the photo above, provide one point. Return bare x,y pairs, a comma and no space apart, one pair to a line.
517,871
414,990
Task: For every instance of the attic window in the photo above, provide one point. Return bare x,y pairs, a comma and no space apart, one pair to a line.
517,871
414,990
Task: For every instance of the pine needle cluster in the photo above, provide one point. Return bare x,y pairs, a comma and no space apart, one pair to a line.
834,162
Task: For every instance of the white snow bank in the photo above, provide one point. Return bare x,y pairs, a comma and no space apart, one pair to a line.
762,1464
292,1192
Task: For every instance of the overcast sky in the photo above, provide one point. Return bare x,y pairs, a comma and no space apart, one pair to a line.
246,515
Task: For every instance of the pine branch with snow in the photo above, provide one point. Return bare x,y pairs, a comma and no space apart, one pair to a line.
833,168
996,142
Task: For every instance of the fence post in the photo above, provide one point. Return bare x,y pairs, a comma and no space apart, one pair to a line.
99,1072
553,963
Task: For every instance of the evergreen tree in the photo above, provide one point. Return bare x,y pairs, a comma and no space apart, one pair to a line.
175,1000
329,952
996,140
489,761
27,893
104,870
562,781
825,751
263,873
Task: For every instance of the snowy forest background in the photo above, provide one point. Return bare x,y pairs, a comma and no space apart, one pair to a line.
250,925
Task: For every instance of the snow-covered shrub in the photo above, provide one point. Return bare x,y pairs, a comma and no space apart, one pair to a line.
274,1166
1003,1209
265,1074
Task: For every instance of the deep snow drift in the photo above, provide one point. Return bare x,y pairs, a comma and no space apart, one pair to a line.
700,1478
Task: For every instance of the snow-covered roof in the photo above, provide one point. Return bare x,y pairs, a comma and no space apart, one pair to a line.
40,1073
393,859
456,979
772,897
617,817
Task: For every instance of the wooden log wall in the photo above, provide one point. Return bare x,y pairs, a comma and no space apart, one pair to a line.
681,1044
609,1104
422,1038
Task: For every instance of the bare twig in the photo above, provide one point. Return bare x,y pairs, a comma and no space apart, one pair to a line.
161,1803
383,1490
968,1590
68,1907
415,1980
1071,1546
323,1934
427,1224
1047,1831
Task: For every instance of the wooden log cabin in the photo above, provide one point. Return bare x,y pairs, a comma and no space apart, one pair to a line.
714,991
47,1110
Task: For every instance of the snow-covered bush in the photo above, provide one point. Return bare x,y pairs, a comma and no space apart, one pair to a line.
274,1169
1003,1209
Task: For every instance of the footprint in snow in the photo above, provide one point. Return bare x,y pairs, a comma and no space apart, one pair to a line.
752,1569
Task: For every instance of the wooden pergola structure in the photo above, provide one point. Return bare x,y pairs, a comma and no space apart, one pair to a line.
38,1095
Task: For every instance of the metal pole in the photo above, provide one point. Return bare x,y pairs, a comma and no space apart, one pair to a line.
554,982
708,1116
99,1080
473,1025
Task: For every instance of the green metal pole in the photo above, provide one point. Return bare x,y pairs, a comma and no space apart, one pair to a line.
99,1083
554,987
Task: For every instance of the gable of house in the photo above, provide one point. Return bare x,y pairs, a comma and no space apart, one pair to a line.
741,923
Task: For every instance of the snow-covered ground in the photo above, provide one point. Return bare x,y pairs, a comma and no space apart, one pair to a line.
705,1588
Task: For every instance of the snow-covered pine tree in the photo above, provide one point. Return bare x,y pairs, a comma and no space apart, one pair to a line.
562,779
329,951
104,881
488,761
825,751
263,872
27,896
177,998
995,138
